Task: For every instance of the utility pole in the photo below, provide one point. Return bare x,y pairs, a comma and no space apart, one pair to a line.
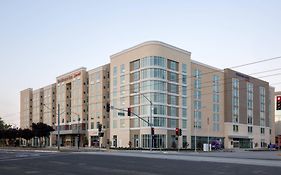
150,123
195,121
208,121
58,142
78,132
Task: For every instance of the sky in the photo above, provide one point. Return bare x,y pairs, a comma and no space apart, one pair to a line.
40,40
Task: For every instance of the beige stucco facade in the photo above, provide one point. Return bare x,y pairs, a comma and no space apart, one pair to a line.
26,108
99,86
164,87
207,97
72,97
123,79
49,105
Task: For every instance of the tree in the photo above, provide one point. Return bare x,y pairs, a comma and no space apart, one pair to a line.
3,125
27,134
41,130
3,132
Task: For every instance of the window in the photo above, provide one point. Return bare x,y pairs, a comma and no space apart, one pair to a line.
135,76
153,85
114,81
184,113
184,102
173,100
173,123
183,79
135,65
153,61
262,106
235,128
262,130
114,70
153,73
184,68
172,111
135,88
184,123
184,90
216,127
122,79
250,129
235,100
173,88
159,122
173,77
135,100
173,65
122,68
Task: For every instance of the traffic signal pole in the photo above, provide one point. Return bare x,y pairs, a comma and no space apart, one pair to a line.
149,123
58,141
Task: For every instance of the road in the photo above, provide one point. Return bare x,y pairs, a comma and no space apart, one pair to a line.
56,163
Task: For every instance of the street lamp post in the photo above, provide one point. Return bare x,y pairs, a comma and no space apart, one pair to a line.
150,123
195,128
58,140
78,132
208,134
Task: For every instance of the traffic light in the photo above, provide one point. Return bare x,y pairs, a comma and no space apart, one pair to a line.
99,127
180,132
129,111
278,103
107,107
177,131
152,131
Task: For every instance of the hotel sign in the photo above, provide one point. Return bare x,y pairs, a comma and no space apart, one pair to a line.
69,77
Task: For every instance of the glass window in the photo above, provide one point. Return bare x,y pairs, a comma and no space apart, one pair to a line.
153,61
159,121
122,79
184,68
173,88
135,88
135,100
184,102
184,113
114,70
183,79
159,110
172,111
135,76
173,65
114,81
184,123
173,77
173,123
135,65
184,91
173,100
122,68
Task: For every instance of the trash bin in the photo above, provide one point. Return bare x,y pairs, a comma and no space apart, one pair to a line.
205,147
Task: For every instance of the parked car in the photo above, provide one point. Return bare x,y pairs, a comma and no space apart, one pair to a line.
216,145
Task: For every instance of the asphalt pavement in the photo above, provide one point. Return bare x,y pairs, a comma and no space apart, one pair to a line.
117,163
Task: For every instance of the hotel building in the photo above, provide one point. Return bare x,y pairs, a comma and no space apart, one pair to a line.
165,89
